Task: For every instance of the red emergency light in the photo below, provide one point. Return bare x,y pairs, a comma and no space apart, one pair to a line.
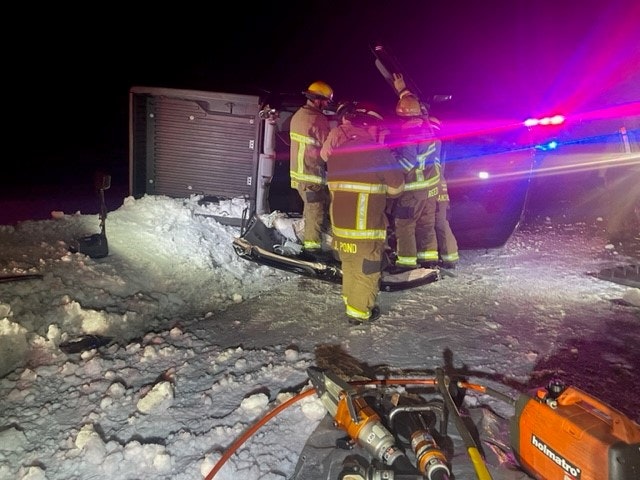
554,120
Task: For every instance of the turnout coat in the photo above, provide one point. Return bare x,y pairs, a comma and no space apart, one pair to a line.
361,175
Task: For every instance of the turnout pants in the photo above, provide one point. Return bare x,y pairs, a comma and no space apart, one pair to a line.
361,269
415,219
447,243
315,213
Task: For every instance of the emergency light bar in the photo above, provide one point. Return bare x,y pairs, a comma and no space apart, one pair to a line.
554,120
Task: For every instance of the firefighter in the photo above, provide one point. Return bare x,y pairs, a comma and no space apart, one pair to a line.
309,129
414,212
448,255
439,247
338,135
362,173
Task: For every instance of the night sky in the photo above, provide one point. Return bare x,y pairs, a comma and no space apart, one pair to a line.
71,69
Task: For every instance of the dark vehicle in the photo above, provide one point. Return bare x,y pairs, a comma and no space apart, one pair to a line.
488,173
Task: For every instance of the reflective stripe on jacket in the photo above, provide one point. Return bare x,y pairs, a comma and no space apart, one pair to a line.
419,156
309,129
361,175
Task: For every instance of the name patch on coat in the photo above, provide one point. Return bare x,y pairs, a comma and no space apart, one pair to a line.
345,247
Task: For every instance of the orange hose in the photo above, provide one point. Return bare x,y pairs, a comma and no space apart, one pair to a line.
235,445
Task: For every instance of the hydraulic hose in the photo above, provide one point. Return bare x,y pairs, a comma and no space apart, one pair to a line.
245,436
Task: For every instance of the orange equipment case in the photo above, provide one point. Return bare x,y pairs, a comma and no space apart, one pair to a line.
574,436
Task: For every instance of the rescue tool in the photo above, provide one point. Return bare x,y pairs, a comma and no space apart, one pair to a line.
397,429
352,412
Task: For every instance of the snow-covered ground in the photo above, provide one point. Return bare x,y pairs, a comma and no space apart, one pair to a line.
205,344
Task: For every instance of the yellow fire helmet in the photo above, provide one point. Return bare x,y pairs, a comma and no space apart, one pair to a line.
319,90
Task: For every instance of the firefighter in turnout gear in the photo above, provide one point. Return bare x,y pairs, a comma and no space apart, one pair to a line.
414,212
436,243
447,244
309,130
362,173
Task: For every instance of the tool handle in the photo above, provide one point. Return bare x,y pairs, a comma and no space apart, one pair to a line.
479,465
387,64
